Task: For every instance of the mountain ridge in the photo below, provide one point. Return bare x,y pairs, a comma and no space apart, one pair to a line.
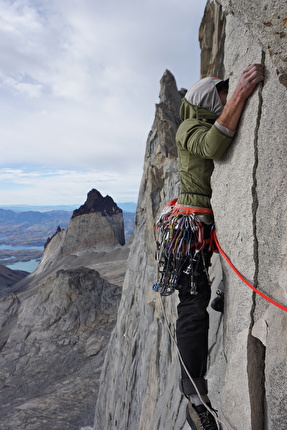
56,323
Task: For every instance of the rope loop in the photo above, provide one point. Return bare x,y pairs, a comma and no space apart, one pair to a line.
243,279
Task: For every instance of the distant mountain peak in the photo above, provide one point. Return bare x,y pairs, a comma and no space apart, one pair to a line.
97,203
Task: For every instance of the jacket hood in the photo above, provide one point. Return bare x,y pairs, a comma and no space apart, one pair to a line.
204,95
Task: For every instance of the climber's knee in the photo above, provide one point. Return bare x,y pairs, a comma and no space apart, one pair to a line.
187,387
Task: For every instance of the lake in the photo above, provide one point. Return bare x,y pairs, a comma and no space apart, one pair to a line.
28,266
12,247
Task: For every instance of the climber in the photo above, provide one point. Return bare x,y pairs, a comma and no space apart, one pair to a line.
208,127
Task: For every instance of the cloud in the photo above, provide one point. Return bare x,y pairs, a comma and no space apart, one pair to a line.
79,80
64,187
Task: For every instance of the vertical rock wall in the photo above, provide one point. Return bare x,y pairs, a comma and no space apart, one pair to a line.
212,38
249,200
139,387
248,345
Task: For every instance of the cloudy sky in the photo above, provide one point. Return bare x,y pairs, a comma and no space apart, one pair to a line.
79,80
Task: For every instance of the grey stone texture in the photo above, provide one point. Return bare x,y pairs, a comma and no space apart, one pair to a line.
265,22
212,38
53,340
249,200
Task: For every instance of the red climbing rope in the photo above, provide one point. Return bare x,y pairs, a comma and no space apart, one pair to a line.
284,308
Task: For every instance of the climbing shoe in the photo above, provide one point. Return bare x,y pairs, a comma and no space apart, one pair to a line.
199,418
218,303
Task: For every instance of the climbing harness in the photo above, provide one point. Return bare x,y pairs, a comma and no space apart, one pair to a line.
183,246
214,238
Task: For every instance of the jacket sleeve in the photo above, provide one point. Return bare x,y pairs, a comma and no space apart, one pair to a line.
202,140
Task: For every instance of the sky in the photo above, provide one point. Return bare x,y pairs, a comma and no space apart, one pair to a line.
79,80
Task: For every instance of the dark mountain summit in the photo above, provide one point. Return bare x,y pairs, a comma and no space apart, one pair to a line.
97,203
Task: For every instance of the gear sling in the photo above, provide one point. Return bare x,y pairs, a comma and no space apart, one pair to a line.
184,243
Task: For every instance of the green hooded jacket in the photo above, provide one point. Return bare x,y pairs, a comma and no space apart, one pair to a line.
199,142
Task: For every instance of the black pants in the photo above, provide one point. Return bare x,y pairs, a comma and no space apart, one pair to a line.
192,324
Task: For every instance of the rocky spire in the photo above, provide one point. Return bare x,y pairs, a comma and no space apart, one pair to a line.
97,203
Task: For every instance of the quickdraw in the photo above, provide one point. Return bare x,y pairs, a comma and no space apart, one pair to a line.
180,246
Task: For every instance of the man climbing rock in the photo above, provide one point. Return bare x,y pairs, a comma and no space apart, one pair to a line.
209,123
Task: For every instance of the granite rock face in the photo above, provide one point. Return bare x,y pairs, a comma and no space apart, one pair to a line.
265,23
249,199
53,339
247,362
110,217
212,38
96,227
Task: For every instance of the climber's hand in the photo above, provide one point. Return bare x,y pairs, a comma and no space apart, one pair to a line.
248,80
